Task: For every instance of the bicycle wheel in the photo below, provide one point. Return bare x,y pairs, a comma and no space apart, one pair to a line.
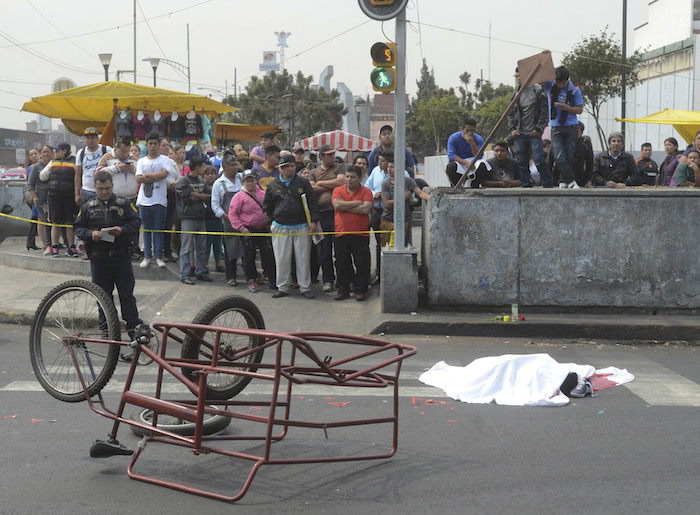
210,425
74,308
231,311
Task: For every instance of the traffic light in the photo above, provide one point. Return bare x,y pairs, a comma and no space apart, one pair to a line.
383,76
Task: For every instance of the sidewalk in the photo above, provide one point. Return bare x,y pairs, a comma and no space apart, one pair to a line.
28,276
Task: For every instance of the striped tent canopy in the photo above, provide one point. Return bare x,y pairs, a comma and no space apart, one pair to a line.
337,139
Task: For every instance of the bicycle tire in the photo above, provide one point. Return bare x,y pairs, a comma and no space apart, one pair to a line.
73,308
210,425
230,311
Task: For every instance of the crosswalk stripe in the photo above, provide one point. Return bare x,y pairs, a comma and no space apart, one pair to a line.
656,384
116,386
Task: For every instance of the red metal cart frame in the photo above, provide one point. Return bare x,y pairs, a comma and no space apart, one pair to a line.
290,359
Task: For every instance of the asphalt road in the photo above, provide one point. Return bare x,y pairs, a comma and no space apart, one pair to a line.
633,448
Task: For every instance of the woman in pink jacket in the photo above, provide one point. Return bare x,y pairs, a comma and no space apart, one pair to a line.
246,216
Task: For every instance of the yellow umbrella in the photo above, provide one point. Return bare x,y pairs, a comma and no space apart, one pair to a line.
687,123
94,104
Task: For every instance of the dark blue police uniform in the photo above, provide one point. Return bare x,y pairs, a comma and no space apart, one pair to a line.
110,262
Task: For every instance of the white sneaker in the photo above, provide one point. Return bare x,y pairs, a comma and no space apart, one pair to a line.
573,185
160,263
145,262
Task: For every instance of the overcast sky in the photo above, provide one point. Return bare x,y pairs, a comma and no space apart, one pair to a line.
42,40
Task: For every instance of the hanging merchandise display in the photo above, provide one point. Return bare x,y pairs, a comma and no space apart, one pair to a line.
193,126
124,125
141,124
206,128
158,124
176,127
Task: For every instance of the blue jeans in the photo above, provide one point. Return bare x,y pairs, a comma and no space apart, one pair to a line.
153,217
524,144
564,147
188,241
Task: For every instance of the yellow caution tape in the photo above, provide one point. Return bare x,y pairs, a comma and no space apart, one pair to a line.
170,231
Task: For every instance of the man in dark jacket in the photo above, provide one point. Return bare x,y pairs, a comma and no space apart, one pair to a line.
526,123
192,195
615,168
106,224
291,209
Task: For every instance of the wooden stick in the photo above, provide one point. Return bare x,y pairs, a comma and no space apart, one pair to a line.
523,87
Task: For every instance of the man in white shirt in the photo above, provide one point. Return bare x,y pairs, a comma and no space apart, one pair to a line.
222,192
374,183
86,161
152,173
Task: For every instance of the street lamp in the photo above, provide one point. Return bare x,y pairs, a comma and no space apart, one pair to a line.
181,68
105,59
154,64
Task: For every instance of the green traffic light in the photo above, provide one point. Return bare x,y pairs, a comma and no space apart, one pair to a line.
383,79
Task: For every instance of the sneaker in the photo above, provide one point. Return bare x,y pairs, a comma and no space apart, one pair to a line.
252,286
186,280
54,251
72,252
160,263
342,295
569,185
47,252
232,282
145,262
327,287
583,388
205,277
279,293
360,296
306,294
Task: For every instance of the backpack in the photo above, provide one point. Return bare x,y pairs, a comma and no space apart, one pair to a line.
82,156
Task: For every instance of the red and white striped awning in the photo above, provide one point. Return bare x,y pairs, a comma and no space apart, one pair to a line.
339,140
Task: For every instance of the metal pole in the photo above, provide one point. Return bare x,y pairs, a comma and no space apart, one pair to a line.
235,83
623,111
154,76
134,41
400,133
189,86
292,117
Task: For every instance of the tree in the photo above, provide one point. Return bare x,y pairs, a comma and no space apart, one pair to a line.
596,67
488,115
429,113
290,102
437,117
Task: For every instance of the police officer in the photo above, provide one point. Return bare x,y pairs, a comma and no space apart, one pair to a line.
110,262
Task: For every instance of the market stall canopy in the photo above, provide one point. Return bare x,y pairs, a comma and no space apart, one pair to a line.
687,123
242,131
337,139
93,105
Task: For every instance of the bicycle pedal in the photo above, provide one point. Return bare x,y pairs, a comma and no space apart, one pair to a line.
107,449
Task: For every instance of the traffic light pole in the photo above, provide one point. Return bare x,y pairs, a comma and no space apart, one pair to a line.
400,133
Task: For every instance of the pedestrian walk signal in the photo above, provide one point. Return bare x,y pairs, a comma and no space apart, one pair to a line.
383,76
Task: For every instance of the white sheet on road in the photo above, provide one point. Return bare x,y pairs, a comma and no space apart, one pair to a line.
513,379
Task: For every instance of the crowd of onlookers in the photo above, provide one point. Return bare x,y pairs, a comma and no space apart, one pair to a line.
525,159
307,215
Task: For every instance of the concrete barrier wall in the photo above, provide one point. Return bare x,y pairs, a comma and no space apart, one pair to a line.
634,248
